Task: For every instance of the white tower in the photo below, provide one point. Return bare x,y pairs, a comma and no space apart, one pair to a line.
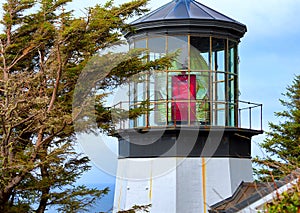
190,149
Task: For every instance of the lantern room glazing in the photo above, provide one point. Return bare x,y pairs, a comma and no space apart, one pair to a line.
200,88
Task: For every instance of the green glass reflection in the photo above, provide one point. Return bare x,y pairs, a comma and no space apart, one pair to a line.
211,98
158,86
202,85
158,92
231,108
231,56
179,44
231,79
158,114
202,110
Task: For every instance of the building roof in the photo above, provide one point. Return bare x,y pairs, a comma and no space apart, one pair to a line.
184,9
249,193
188,16
242,193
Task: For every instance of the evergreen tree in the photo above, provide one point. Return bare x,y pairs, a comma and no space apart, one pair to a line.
43,49
286,202
283,142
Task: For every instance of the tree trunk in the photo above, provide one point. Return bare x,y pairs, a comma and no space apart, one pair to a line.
45,190
43,201
4,200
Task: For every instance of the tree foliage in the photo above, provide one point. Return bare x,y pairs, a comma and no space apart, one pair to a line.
283,142
43,50
135,209
286,202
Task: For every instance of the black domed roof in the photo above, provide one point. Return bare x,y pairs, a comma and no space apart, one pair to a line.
187,13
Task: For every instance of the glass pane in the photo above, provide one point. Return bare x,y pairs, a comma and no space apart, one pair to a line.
131,123
199,53
180,44
220,115
138,93
183,93
157,47
220,87
141,121
218,46
131,92
141,87
141,93
158,97
170,83
231,79
158,114
202,85
231,114
202,109
158,86
231,57
213,113
140,43
131,44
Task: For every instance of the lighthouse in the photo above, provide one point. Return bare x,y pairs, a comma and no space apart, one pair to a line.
192,147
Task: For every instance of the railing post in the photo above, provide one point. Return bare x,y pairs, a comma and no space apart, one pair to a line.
121,122
240,119
206,113
175,112
261,117
250,115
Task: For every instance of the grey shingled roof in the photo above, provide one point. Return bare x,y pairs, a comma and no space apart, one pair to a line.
232,205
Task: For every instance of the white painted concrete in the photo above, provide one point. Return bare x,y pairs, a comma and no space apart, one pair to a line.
177,185
240,169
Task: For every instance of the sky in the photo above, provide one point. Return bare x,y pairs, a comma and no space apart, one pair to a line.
269,59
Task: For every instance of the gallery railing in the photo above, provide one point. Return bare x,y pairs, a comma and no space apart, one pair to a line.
190,113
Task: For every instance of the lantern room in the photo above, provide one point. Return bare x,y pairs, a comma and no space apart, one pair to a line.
200,88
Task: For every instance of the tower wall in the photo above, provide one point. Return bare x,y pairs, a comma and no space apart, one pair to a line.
190,149
174,184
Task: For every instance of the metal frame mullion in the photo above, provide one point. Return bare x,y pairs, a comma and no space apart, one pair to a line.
189,80
147,87
216,99
167,83
210,82
236,85
226,84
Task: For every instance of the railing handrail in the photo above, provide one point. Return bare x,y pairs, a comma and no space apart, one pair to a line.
126,105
